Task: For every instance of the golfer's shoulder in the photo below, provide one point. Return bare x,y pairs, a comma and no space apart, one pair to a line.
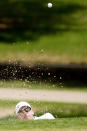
49,115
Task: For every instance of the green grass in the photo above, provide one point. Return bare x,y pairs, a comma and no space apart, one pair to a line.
67,45
42,85
64,124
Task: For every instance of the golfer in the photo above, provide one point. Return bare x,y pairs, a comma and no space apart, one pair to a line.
24,111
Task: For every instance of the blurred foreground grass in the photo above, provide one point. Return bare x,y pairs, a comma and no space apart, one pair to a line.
64,124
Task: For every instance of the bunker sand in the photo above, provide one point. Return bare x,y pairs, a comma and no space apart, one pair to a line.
43,95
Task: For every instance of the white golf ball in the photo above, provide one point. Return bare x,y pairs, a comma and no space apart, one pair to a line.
49,5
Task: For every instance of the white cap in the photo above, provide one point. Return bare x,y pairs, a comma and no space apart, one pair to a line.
21,104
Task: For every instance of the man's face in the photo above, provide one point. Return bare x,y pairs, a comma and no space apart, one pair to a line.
26,113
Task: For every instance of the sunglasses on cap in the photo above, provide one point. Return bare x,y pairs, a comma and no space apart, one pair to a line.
27,109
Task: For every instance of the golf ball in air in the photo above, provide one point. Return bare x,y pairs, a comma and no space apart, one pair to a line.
49,5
